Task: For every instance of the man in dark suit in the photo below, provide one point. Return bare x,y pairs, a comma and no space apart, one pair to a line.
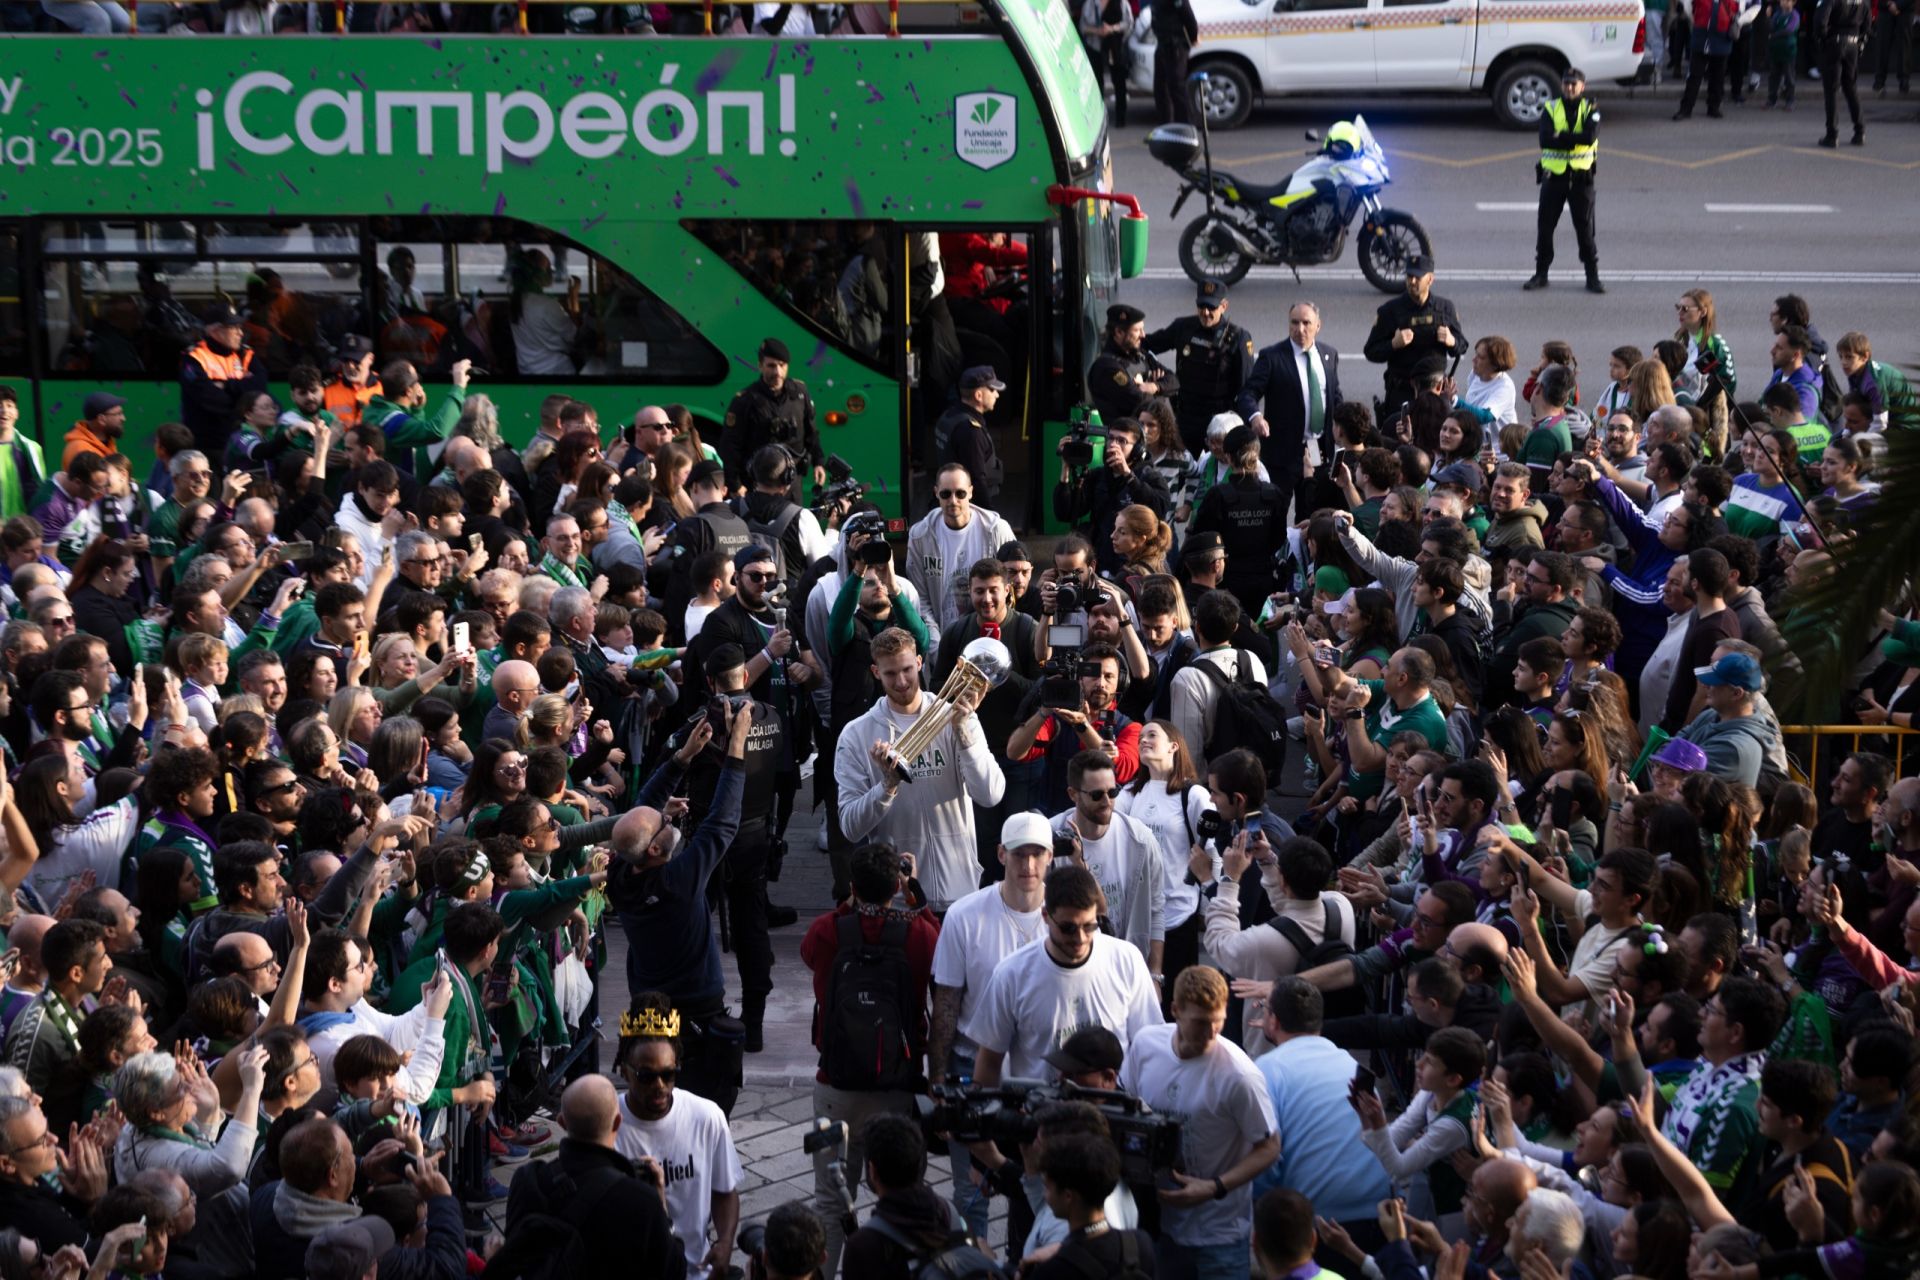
1298,382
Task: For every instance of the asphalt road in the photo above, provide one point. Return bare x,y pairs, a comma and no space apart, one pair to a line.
1839,233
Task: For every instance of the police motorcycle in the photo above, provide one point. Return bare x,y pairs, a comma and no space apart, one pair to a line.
1301,220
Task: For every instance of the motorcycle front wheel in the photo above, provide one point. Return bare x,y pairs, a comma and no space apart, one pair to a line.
1203,260
1387,244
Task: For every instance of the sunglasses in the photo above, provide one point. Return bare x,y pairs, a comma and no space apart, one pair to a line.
944,494
1111,793
755,575
665,1075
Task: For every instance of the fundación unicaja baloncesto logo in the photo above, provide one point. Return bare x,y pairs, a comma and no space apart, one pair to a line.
984,133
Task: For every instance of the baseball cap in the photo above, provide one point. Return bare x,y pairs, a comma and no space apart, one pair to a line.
1024,829
1573,73
1419,264
1458,475
1088,1049
100,402
1198,546
706,471
355,347
219,313
1736,669
1344,604
348,1250
1678,753
1210,294
981,375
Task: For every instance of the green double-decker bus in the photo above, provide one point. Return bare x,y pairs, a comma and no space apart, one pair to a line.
620,220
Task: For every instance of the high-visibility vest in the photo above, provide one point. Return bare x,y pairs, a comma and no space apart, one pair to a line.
1578,158
345,402
221,368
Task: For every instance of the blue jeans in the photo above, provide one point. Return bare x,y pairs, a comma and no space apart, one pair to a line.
1178,1261
88,17
971,1202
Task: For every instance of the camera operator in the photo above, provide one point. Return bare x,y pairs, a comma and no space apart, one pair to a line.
992,617
1089,497
1122,852
1058,725
910,1222
980,931
1237,785
588,1180
743,871
1187,1070
792,1246
1250,515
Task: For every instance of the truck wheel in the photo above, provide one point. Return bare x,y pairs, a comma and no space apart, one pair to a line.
1229,97
1522,93
1387,244
1203,260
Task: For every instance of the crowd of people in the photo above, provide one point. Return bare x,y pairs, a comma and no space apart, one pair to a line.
344,749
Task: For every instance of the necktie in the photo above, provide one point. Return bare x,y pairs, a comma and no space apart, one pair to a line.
1316,398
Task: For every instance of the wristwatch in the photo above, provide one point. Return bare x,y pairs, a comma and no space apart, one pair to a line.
1219,1188
1356,714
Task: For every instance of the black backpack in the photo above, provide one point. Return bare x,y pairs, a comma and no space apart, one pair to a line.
1245,715
772,534
1833,390
1076,1253
866,1023
1314,954
958,1258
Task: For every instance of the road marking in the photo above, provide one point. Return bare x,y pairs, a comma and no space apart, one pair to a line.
1506,206
1497,275
1769,208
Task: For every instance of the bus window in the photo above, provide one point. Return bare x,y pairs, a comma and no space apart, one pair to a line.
13,320
414,317
123,299
836,277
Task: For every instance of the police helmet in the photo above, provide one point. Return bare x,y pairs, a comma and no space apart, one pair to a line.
1343,141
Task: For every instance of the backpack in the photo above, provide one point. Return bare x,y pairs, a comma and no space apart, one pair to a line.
772,534
1245,715
864,1026
1312,955
547,1244
958,1258
1833,390
1075,1253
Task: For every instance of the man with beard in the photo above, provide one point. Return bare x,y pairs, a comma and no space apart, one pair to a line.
1124,377
103,420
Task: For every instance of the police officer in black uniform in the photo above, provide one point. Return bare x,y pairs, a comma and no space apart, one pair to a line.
742,878
1213,360
1124,376
1843,34
1250,515
773,409
1407,329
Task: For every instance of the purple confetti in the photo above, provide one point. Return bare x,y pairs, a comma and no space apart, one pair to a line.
357,80
500,204
708,79
972,204
854,201
287,182
874,95
129,99
725,176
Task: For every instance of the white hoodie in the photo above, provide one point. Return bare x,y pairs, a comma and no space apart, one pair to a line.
930,817
371,539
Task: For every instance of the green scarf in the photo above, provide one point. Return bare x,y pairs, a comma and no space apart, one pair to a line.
562,573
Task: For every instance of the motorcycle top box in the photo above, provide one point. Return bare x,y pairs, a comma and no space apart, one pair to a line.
1174,145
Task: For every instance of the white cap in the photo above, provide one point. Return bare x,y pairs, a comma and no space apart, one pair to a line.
1024,829
1344,604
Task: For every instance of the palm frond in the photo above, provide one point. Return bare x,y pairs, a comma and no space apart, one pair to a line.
1835,616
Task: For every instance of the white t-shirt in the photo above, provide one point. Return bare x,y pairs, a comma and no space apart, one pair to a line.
979,932
696,617
1594,956
1127,862
1034,1004
696,1153
1221,1101
1161,811
543,337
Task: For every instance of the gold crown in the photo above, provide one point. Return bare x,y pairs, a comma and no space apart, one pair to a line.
650,1023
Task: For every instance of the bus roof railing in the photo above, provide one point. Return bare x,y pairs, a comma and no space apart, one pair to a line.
707,8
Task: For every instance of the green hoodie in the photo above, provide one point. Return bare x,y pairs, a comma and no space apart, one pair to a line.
408,430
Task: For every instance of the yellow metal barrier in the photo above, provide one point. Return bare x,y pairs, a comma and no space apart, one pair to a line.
1854,732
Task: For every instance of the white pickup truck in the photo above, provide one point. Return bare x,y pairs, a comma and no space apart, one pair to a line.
1512,50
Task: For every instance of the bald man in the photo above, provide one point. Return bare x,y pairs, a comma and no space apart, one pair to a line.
515,685
1500,1187
589,1181
1480,950
249,957
31,978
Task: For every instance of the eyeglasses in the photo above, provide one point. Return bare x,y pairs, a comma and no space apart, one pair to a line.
756,575
289,785
436,560
41,1143
944,494
60,620
515,766
1088,929
1427,920
1111,793
271,962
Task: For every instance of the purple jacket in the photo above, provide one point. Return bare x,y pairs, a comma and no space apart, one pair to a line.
57,512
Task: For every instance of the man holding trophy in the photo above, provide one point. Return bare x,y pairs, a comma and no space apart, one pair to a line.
913,767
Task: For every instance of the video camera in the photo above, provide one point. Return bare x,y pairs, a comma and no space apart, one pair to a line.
1077,449
840,487
1061,673
1009,1114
